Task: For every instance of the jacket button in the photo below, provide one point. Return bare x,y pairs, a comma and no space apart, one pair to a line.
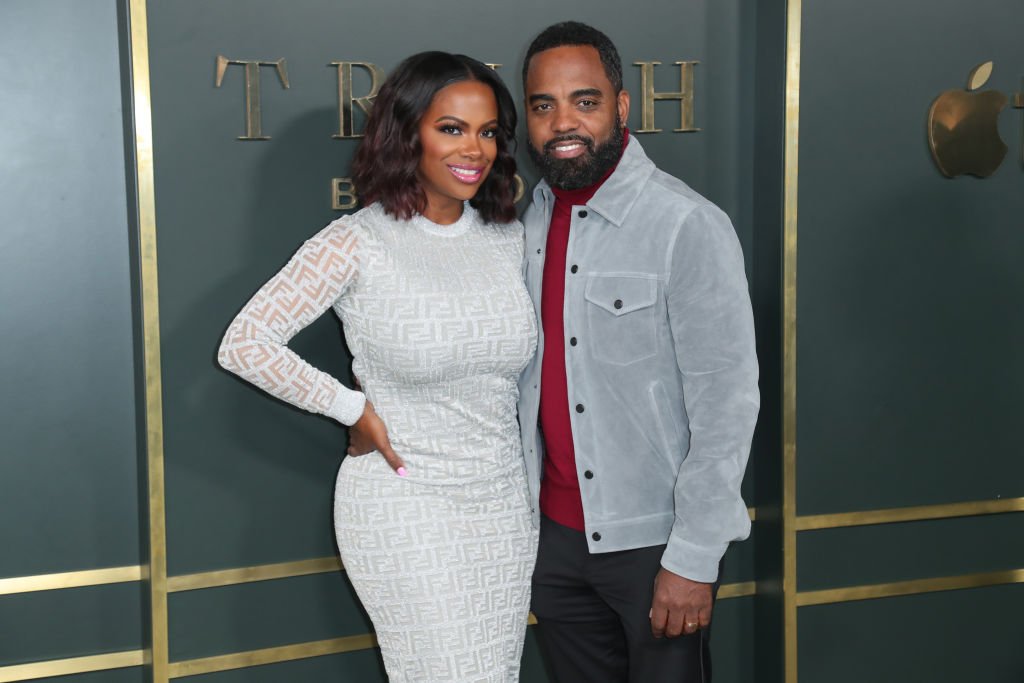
618,303
588,474
572,341
582,214
579,407
538,251
574,269
596,536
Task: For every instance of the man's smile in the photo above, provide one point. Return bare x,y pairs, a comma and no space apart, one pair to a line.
567,148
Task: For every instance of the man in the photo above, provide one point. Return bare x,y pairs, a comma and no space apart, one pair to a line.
638,410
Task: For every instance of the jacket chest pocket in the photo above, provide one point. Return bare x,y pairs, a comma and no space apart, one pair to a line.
621,323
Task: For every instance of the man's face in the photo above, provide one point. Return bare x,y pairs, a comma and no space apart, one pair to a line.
573,115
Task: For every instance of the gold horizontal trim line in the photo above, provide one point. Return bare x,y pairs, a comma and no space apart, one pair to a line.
910,514
79,579
74,665
286,653
263,572
271,655
752,512
914,587
737,590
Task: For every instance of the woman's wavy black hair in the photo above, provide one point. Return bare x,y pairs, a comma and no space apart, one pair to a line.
384,168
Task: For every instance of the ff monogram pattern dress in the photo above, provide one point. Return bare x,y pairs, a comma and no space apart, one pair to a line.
440,326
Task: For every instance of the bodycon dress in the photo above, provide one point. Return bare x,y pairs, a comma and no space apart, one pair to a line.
440,325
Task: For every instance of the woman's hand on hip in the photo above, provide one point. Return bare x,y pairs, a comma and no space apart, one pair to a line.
369,434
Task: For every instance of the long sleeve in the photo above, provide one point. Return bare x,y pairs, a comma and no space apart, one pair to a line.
713,328
255,344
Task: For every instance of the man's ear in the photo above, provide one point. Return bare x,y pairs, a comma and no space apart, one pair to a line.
622,103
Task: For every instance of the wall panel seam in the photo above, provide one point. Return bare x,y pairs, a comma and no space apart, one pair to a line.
794,15
73,665
837,520
910,587
142,121
76,579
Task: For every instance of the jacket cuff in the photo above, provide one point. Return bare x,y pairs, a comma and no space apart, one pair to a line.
347,406
694,562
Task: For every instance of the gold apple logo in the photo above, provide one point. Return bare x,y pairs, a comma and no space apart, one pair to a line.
963,128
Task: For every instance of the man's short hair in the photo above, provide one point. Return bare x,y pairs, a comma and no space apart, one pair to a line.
576,33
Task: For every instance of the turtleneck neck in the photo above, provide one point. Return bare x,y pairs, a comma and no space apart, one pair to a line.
560,497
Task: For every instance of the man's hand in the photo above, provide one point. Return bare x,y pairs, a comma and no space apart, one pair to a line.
369,434
680,606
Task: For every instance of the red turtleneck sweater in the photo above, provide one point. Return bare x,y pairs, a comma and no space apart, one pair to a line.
560,489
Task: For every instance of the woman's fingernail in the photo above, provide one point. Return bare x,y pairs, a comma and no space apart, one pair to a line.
400,471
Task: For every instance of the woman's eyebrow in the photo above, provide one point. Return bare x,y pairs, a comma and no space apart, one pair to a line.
456,119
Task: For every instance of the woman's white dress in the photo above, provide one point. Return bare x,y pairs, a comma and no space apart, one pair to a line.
440,326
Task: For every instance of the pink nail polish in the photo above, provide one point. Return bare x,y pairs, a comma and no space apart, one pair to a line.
400,471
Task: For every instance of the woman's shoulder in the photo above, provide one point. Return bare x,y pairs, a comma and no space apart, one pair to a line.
354,225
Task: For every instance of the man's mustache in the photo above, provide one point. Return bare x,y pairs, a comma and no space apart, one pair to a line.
549,146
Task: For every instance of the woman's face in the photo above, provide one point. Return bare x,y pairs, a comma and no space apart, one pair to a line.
458,136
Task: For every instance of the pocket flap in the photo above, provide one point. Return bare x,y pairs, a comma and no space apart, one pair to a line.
621,294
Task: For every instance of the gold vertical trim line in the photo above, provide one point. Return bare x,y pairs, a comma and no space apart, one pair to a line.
263,572
79,579
912,587
272,655
789,262
157,652
67,667
910,514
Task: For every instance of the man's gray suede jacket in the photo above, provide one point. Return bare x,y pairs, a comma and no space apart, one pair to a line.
662,374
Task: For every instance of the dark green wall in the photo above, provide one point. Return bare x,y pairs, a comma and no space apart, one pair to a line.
910,378
910,371
916,638
248,478
909,385
68,403
68,455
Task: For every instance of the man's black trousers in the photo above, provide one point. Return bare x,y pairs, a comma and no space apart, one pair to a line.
593,615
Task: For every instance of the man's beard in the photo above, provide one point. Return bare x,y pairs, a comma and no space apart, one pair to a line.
584,170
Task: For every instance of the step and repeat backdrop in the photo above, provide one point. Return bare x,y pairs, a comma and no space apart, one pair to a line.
164,520
257,110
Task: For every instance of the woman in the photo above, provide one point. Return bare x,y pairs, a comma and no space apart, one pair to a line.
426,280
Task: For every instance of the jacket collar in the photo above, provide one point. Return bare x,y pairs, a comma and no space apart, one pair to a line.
614,199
